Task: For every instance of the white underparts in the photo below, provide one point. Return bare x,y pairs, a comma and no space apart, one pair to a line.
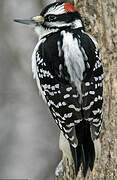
34,68
41,31
65,147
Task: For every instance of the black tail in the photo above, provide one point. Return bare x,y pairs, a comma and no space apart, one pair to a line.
85,152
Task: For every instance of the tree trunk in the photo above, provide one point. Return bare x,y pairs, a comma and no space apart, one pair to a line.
100,18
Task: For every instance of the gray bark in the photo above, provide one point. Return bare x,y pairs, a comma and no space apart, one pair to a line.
100,17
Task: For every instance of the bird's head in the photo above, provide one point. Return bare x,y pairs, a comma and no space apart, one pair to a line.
55,17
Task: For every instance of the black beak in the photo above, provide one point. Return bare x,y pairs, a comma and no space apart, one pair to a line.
33,21
27,22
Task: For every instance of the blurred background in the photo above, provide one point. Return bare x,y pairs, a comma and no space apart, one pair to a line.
28,135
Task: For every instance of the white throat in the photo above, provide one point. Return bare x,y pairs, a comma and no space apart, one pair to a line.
41,32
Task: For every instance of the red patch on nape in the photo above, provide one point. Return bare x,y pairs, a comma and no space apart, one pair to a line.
69,8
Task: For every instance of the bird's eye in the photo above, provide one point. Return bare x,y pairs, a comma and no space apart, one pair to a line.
51,18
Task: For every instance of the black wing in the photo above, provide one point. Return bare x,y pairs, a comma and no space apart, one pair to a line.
92,86
60,80
61,94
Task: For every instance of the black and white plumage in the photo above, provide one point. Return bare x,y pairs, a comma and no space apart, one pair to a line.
67,66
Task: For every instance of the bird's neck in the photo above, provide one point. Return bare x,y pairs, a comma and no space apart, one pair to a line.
41,31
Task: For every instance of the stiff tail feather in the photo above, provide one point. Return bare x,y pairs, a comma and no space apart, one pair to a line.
84,153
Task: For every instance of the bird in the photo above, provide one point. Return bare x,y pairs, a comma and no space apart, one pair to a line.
67,66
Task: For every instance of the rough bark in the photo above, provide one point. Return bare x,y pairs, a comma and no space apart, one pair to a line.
100,17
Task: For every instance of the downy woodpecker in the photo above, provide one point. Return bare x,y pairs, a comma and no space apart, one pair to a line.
67,66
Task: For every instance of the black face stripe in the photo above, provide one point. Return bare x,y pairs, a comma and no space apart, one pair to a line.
50,18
